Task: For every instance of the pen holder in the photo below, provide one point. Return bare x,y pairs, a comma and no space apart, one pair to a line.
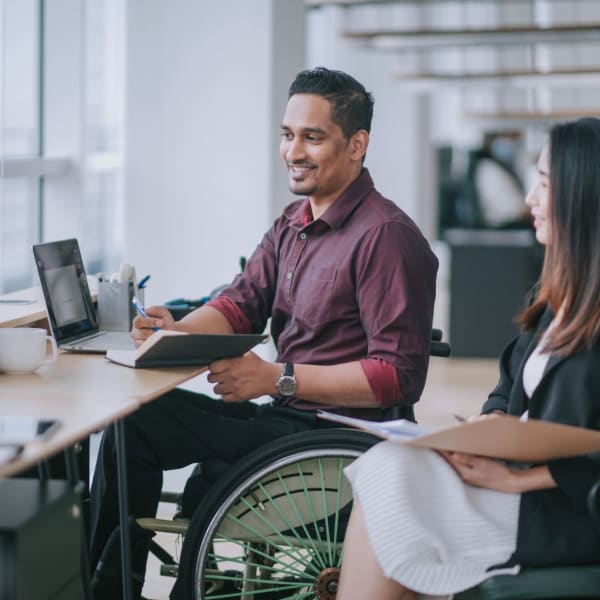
115,310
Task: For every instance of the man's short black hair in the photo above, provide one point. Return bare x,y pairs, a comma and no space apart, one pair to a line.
351,104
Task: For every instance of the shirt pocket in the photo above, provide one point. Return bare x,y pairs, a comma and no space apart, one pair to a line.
312,296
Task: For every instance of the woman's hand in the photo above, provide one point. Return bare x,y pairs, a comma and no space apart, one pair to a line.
489,473
482,472
490,415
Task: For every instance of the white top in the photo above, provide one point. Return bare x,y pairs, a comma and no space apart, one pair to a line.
535,366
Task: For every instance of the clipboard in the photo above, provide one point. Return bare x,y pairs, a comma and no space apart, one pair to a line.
499,436
167,348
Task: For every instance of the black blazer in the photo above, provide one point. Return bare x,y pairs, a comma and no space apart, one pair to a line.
554,525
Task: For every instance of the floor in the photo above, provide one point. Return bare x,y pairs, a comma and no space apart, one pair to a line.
454,387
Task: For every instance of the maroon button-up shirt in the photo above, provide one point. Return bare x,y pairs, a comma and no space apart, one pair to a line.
358,283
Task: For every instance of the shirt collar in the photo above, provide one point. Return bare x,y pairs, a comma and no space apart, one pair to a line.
341,209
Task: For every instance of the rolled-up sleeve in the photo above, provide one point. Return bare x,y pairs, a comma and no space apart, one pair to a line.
232,312
383,380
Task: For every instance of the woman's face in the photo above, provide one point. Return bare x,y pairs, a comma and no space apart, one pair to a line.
538,198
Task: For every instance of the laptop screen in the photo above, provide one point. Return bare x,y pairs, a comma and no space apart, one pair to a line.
64,283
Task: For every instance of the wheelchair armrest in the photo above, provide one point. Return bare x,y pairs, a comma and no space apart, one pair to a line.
593,502
439,349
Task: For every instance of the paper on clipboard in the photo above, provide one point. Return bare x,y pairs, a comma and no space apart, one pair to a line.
500,436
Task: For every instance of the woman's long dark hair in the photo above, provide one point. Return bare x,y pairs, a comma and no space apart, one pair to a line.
571,272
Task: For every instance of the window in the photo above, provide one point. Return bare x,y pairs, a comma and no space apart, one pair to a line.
104,134
61,131
19,138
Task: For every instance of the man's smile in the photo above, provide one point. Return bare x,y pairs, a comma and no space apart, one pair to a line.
299,171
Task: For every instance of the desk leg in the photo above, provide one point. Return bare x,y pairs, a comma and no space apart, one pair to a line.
73,479
123,509
43,471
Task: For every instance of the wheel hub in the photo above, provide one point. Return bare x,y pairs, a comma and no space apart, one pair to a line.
326,584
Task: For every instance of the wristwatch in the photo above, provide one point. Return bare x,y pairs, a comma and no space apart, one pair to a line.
286,384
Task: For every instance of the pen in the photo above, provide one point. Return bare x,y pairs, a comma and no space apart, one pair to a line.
143,281
141,310
459,418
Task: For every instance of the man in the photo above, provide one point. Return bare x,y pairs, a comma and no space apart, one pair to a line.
348,282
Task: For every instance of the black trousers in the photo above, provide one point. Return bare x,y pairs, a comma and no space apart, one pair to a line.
176,430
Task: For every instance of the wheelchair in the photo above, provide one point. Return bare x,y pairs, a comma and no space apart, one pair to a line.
271,527
274,527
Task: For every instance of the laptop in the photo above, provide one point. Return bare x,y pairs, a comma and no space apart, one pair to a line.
71,312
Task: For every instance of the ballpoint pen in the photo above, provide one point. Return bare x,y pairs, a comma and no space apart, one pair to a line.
141,311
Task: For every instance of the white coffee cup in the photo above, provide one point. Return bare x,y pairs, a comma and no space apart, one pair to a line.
25,349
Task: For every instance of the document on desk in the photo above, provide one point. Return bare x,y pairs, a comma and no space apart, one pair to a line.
499,436
166,348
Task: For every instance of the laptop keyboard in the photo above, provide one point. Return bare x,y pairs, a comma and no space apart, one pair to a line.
111,339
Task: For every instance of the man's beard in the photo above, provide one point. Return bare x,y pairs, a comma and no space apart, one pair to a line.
302,188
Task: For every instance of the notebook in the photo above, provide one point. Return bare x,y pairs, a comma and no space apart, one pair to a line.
69,303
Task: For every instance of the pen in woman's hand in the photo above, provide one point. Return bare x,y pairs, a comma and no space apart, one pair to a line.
141,311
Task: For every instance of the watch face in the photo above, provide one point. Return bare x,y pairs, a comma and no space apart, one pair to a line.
286,385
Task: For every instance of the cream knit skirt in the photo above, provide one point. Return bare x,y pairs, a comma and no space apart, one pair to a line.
429,531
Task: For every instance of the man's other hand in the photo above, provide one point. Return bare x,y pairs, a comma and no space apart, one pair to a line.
243,378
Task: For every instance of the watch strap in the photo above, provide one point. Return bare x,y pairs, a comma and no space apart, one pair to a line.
288,369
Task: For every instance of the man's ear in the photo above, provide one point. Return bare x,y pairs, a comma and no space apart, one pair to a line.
358,144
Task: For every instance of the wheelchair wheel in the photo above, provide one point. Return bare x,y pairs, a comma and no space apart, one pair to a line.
273,528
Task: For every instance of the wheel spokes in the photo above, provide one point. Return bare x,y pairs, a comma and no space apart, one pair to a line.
281,534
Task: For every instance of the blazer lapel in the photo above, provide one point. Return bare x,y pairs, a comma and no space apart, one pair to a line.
519,401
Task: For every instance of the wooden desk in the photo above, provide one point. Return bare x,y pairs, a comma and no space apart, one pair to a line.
91,376
18,315
85,393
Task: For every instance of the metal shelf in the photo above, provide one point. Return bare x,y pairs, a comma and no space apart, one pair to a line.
527,116
440,38
351,3
524,77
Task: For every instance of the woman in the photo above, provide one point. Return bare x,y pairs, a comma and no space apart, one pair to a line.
438,523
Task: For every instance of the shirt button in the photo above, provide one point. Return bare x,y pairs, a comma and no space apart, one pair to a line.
289,275
303,236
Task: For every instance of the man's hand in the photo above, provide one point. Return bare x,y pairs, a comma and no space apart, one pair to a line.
243,378
143,328
482,472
